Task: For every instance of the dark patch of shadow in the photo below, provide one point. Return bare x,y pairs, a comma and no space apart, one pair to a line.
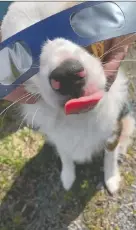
37,200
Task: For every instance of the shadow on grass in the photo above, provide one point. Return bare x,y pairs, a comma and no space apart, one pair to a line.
37,200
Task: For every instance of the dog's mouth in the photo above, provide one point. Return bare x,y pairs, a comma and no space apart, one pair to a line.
86,102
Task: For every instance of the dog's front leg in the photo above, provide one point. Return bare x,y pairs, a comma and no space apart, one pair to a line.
116,146
68,174
111,170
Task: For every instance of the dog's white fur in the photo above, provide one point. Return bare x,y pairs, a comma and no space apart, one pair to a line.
77,137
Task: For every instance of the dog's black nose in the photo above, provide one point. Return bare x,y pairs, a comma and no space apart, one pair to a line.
68,78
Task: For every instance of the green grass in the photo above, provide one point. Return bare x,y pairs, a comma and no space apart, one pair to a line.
16,148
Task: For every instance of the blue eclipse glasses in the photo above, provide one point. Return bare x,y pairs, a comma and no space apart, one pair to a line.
83,24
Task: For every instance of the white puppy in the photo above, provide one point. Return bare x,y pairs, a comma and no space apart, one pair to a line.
77,137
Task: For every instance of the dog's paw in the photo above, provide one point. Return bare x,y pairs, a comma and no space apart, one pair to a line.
67,178
113,183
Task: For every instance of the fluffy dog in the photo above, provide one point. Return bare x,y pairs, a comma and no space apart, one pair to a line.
77,137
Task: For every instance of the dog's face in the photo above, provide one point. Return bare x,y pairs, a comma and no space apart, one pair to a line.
68,71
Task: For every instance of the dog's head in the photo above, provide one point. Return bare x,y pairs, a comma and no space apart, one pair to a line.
68,71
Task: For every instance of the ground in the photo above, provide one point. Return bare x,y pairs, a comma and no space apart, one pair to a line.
31,194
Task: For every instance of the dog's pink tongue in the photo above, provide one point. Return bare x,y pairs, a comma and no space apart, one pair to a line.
77,105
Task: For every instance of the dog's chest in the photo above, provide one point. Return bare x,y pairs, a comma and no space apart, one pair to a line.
80,137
